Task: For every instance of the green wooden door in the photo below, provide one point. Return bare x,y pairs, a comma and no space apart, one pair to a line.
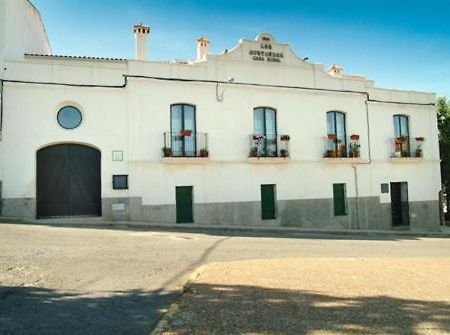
268,202
184,204
339,199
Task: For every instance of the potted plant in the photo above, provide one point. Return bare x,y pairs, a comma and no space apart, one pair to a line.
284,153
204,152
330,154
354,137
258,138
401,139
353,151
419,152
332,137
254,152
342,150
285,138
185,133
167,152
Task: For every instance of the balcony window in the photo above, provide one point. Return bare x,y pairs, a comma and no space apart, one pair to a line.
414,146
402,145
265,126
183,140
185,144
336,140
183,131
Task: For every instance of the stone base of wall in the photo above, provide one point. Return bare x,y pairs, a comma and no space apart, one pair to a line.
19,207
363,213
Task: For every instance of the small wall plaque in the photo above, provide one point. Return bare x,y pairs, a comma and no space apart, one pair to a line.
118,207
117,155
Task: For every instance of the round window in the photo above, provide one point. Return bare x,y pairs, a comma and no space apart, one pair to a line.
69,117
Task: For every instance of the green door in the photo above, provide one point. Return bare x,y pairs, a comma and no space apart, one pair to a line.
268,202
339,199
184,204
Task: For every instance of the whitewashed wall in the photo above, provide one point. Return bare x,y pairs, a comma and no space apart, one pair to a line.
134,118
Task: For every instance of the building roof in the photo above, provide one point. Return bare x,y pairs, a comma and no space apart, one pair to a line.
77,57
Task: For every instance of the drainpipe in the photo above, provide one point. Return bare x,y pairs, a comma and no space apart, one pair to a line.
355,171
1,108
355,174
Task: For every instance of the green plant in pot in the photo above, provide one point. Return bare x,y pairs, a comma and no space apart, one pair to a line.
284,153
167,152
204,153
354,149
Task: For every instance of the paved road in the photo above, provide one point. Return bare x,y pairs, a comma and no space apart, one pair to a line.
57,280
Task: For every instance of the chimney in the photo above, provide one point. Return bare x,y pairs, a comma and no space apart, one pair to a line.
141,32
335,70
202,48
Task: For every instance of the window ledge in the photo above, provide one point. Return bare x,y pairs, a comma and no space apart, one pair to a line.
185,160
268,160
346,160
406,159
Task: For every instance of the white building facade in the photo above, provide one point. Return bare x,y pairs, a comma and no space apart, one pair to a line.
255,136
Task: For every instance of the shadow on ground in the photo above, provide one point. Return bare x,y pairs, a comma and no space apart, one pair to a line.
210,309
29,310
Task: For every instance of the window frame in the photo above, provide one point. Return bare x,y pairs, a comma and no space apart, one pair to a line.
265,144
116,176
336,144
183,127
399,117
69,106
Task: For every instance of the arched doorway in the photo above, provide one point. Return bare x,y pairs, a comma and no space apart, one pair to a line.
68,181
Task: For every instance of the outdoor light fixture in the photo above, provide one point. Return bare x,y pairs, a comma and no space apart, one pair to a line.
219,97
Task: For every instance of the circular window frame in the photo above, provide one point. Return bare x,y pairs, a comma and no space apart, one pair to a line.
69,106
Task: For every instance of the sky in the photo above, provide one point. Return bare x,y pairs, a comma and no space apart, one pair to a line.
398,44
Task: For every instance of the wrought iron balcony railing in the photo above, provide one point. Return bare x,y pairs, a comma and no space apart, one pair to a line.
269,145
404,147
185,143
337,148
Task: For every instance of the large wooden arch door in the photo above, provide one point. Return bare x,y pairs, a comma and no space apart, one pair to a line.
68,181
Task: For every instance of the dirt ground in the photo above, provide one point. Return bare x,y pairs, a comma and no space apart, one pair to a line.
318,296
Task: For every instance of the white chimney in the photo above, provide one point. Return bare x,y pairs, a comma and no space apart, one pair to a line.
141,32
335,70
202,48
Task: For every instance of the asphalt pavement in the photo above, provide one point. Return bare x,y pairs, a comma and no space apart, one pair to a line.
79,280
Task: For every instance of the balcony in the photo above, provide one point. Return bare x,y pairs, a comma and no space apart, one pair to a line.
185,146
269,148
405,148
336,148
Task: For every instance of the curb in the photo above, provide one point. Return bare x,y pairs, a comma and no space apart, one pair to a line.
195,228
175,307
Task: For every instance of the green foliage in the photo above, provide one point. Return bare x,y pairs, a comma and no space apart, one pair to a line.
443,117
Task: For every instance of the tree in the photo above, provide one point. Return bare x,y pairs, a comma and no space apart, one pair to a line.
443,116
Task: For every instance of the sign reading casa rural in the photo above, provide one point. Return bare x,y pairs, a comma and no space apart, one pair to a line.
266,55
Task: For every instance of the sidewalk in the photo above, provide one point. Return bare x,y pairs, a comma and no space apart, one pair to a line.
98,222
315,296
